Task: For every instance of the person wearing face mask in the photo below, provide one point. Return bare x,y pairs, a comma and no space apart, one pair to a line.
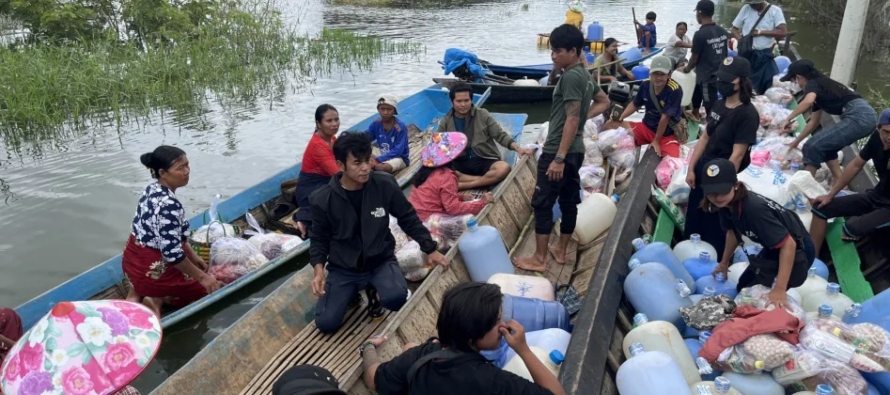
469,322
764,22
731,131
788,250
823,94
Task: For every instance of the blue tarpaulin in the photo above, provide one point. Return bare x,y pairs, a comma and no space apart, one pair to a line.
455,58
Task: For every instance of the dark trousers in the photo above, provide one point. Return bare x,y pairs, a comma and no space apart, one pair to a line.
868,212
799,271
704,92
698,221
763,69
342,287
567,191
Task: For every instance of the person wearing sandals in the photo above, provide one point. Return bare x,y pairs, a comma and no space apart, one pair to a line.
350,232
469,321
161,266
435,184
787,248
318,164
870,211
825,95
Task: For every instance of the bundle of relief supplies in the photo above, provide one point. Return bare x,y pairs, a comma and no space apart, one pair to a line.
757,296
670,176
203,238
756,354
617,147
775,152
445,230
862,346
271,244
413,262
234,257
773,109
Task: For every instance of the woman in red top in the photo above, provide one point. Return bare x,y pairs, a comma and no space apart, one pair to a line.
435,185
318,165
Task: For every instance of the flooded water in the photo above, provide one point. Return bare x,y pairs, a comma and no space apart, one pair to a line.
67,202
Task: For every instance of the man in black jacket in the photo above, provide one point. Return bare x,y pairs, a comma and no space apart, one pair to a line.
350,231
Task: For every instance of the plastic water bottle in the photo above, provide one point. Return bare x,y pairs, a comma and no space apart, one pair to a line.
552,360
719,283
831,296
824,389
595,32
692,248
708,291
805,215
812,285
638,244
654,291
825,313
663,336
758,383
535,314
700,266
694,345
720,386
821,268
662,253
484,252
650,372
736,270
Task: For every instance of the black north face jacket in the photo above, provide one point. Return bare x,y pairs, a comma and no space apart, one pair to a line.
335,235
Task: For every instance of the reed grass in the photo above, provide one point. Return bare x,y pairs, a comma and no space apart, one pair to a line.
45,89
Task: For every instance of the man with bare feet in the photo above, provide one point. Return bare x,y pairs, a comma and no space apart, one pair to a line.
563,150
480,165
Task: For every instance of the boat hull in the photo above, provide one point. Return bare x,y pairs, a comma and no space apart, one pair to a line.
538,71
512,94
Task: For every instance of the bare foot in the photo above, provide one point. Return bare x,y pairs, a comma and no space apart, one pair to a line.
132,296
557,253
154,304
530,263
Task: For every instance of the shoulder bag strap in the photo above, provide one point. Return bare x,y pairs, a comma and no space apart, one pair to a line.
760,19
657,104
441,354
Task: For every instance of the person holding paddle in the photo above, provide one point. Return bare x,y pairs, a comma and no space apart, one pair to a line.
607,67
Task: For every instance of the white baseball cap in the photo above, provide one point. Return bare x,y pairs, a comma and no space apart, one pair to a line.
390,100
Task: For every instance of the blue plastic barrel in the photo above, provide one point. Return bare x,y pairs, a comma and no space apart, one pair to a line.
536,314
700,266
782,62
732,53
484,252
595,32
631,55
653,290
663,254
640,72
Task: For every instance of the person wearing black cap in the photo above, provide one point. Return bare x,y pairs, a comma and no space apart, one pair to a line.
764,23
306,380
708,51
870,211
824,94
731,131
787,248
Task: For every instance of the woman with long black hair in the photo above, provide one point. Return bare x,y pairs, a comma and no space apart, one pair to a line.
318,164
730,133
823,94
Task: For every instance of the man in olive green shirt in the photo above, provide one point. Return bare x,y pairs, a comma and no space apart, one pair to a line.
563,151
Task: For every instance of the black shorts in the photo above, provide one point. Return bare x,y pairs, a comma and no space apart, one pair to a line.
867,212
474,166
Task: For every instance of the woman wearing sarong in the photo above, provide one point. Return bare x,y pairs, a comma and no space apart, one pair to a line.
158,260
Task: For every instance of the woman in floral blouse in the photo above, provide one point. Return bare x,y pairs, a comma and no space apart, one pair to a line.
158,260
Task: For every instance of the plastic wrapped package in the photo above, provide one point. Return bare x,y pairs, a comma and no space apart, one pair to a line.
623,160
760,157
769,183
542,135
772,115
446,229
212,232
234,257
803,365
666,168
778,150
758,297
592,178
397,233
780,96
678,190
872,343
770,349
842,378
592,153
829,338
611,140
736,359
412,261
593,126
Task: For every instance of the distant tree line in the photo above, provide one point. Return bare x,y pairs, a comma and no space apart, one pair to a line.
830,14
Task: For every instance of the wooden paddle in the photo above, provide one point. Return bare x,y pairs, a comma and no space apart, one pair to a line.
591,68
637,31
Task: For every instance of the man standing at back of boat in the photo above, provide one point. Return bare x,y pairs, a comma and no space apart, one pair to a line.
350,231
563,150
708,52
764,22
480,166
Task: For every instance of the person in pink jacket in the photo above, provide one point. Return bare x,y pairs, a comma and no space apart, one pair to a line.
435,184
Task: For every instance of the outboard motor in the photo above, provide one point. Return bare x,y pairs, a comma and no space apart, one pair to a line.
620,94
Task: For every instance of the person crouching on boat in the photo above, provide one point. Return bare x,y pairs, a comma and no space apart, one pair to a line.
788,250
435,184
480,165
350,231
824,94
469,321
656,128
391,136
605,67
870,210
158,261
318,164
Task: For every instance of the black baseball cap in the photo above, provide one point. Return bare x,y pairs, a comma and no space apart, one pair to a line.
733,67
800,67
719,177
706,7
306,380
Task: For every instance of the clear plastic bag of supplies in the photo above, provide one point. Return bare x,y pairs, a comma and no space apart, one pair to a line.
623,159
842,378
803,365
780,96
611,140
270,244
772,115
412,261
446,229
736,359
678,190
592,154
779,152
829,338
215,228
757,296
873,344
770,349
593,126
665,170
234,257
592,178
397,233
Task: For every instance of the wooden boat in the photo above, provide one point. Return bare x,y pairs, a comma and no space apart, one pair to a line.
420,111
512,94
538,71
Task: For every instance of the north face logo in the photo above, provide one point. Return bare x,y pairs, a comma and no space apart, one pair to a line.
379,212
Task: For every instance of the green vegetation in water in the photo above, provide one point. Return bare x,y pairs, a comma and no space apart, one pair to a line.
405,3
829,14
56,83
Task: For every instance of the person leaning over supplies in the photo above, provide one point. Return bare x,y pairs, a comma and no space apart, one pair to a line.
765,23
480,166
661,96
871,210
788,250
469,321
391,136
575,99
350,231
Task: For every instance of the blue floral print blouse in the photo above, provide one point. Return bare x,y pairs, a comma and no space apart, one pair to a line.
160,222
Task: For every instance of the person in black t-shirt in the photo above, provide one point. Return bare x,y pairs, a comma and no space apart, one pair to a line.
824,94
788,250
731,131
469,321
708,51
871,210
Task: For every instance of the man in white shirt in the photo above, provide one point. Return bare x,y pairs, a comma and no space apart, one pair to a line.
765,32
